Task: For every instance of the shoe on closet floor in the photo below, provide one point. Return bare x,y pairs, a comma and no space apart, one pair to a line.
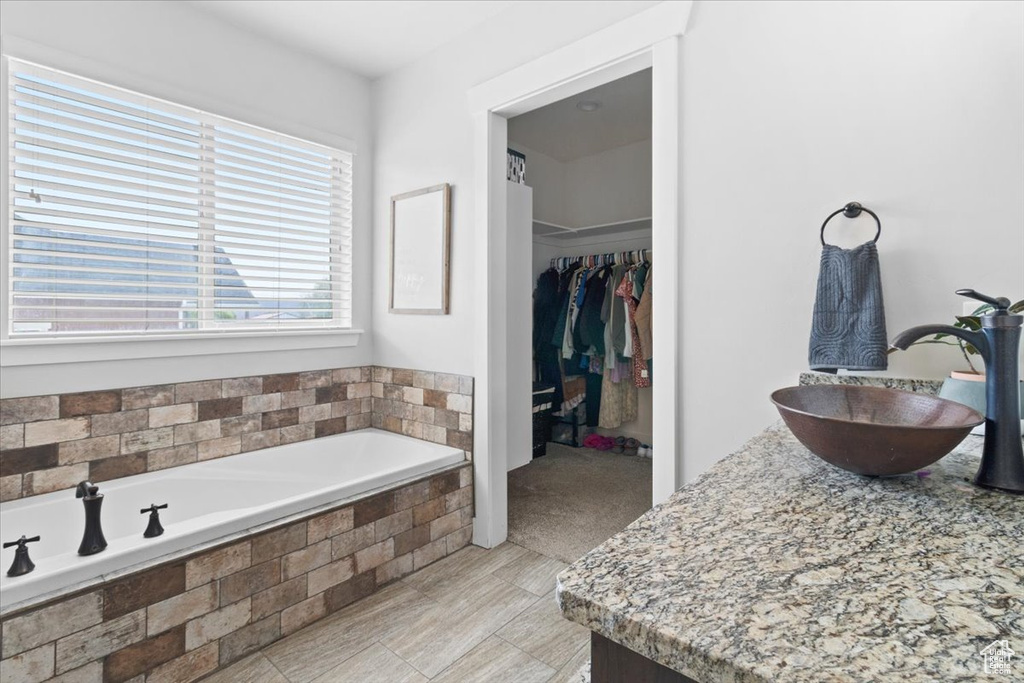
599,442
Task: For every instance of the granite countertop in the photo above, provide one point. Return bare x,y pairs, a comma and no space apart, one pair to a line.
775,566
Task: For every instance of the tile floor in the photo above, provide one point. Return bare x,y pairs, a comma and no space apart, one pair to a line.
475,616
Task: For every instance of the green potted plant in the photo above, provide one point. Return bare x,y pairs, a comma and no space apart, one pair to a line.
968,386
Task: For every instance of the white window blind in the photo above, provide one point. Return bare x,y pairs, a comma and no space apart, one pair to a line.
132,215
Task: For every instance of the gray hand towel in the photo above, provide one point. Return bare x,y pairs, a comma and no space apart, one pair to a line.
848,329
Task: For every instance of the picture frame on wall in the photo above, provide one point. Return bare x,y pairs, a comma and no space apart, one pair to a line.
420,251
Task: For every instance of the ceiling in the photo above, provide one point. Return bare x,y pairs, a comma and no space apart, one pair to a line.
564,133
370,38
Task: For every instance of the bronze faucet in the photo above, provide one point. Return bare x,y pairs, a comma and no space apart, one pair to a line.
92,540
998,342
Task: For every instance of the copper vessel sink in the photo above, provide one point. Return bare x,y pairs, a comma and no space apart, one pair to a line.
874,431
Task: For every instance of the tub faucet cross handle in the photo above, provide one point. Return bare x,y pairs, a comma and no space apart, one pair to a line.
21,542
154,528
22,563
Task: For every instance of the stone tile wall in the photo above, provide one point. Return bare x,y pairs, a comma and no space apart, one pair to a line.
181,620
48,443
433,406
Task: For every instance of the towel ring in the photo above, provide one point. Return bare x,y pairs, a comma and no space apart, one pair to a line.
852,210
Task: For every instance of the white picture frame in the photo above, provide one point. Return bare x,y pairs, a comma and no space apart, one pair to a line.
420,248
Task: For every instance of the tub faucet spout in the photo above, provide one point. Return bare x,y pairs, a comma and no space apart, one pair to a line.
998,342
93,540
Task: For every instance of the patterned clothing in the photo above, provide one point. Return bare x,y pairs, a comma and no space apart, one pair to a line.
640,374
618,399
643,318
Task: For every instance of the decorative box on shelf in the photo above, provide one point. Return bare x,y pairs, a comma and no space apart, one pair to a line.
516,166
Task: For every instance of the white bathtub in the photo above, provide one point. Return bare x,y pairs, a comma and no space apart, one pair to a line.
208,501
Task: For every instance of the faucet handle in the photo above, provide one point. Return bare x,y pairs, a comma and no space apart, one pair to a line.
154,528
86,489
1001,304
22,564
21,542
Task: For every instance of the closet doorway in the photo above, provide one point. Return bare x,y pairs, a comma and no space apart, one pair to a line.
649,39
579,195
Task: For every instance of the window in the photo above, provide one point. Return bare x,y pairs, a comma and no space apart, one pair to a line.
130,215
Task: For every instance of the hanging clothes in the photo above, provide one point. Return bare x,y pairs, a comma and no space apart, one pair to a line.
594,382
608,317
545,317
639,280
545,311
618,400
589,333
591,336
565,280
575,301
643,318
617,317
640,374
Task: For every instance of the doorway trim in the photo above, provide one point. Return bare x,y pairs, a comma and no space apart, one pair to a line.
647,39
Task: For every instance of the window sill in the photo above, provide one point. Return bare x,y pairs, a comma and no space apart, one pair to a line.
24,352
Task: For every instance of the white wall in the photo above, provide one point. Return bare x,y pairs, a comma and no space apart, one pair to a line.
174,51
790,109
423,136
547,178
519,300
607,187
603,188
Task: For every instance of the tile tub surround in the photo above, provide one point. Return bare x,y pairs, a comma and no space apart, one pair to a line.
433,406
181,620
774,565
210,503
48,443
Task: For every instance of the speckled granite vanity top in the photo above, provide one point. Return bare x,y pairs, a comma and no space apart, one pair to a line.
775,566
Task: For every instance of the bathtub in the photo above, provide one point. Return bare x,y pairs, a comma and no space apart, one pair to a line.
208,501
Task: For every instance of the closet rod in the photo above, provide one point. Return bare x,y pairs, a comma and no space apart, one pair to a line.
618,257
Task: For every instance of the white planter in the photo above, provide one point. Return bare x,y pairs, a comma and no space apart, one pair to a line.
971,392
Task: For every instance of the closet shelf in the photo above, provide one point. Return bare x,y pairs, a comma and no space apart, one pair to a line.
554,231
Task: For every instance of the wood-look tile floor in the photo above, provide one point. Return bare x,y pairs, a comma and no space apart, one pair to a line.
486,616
